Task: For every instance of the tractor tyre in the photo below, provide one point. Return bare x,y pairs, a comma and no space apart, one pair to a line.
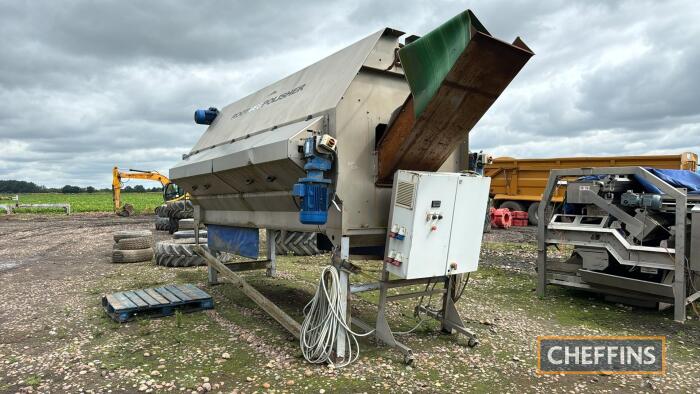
185,224
511,206
183,210
119,235
173,225
161,211
132,256
533,213
181,234
297,243
135,243
162,224
178,253
177,210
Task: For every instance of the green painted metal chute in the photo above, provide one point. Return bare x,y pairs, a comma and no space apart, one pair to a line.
455,72
427,60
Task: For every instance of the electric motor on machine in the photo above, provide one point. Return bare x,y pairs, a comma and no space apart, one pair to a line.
205,116
313,189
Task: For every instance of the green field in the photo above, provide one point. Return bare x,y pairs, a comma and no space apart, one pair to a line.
144,203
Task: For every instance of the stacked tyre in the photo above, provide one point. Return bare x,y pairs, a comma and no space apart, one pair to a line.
177,210
186,224
162,219
180,234
179,253
297,243
132,246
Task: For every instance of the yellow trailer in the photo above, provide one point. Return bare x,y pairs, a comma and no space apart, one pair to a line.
518,184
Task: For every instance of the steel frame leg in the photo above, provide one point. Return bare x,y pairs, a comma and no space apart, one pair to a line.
271,253
338,258
382,330
450,319
212,274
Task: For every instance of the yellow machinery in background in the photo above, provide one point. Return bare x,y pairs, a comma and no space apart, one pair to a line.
518,184
171,191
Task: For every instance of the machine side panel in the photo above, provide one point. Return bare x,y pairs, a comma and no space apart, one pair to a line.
239,240
311,90
368,102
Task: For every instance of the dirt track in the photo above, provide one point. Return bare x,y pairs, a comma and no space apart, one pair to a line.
56,338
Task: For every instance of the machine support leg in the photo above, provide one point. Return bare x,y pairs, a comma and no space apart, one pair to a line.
212,276
382,330
542,233
344,275
679,290
197,212
446,302
541,271
341,342
450,319
271,254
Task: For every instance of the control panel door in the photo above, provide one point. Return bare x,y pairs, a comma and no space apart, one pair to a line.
468,224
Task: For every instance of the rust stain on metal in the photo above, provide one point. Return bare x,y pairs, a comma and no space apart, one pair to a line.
479,76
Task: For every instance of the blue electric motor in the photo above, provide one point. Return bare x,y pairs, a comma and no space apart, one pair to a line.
205,116
313,189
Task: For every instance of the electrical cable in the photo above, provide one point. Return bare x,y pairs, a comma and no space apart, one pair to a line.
323,321
420,303
464,286
420,322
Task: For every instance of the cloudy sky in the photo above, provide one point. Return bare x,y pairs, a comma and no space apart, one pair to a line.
85,85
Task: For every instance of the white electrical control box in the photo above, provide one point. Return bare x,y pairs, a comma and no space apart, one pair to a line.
436,223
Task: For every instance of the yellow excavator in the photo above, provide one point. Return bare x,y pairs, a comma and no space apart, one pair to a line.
171,191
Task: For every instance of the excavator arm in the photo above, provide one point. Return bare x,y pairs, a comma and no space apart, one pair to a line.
117,177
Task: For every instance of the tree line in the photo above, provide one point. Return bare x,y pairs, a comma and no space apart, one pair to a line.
14,186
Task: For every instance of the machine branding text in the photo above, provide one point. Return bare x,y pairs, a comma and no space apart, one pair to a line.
269,101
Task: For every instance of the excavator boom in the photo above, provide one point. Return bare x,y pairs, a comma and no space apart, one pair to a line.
117,177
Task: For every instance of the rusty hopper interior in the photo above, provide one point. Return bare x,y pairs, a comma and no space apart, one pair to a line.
242,170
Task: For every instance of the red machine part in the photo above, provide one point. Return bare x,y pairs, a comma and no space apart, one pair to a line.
501,217
521,215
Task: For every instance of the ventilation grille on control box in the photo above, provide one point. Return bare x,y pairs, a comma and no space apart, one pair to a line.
404,194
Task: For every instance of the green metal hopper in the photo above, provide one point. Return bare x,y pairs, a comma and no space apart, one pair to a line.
455,72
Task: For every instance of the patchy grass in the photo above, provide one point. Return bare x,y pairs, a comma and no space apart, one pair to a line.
144,203
180,349
238,347
574,309
33,380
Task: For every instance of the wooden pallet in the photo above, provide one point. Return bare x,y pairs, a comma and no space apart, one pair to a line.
160,301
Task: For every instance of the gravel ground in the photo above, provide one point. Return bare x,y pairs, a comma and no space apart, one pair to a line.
56,338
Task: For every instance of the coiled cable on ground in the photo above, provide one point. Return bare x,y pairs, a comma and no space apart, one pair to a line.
324,318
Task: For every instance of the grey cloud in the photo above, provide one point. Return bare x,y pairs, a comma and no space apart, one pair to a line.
87,85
